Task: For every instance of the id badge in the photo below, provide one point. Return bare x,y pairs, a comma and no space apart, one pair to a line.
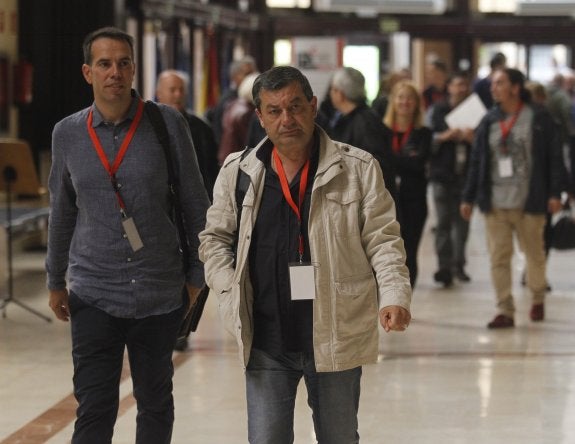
302,282
505,166
132,233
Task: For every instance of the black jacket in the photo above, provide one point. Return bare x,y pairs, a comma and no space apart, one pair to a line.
547,174
442,161
206,150
363,129
411,163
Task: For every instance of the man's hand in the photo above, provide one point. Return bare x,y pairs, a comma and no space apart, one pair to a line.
59,304
193,293
394,317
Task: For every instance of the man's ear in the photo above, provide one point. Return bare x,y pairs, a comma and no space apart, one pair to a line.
87,73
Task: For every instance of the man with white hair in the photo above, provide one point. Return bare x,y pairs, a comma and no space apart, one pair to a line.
358,124
171,89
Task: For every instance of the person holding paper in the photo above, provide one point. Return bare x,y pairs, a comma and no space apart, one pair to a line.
112,237
316,263
515,175
447,170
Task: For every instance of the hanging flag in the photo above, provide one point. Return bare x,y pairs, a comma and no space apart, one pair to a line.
212,77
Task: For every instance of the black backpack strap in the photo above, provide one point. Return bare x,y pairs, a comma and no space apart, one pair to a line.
157,120
242,185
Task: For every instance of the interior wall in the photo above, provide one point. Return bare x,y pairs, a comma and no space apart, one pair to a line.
9,54
424,48
50,36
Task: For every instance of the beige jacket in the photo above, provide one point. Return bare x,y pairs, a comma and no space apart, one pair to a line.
355,246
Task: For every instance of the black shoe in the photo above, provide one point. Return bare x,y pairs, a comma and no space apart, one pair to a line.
461,275
444,277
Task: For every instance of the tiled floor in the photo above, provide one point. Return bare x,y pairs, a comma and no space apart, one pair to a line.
446,380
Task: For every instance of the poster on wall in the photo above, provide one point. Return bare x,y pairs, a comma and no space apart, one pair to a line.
317,58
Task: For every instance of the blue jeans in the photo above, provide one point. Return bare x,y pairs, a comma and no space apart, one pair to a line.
98,343
271,385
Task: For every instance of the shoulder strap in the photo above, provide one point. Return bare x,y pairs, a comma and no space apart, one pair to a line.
243,180
242,184
159,124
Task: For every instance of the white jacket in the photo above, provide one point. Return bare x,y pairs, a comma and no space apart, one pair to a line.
355,246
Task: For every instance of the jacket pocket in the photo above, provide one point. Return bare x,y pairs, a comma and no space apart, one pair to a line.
227,308
356,306
343,209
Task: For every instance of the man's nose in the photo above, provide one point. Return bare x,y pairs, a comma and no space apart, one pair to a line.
116,69
287,117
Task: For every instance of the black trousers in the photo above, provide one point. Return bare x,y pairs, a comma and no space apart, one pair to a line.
98,344
412,215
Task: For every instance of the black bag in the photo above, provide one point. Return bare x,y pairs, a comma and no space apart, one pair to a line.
564,233
191,320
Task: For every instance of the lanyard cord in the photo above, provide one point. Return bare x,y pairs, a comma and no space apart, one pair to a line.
397,145
506,129
111,170
287,193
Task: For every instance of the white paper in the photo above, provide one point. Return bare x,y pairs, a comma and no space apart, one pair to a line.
467,114
302,282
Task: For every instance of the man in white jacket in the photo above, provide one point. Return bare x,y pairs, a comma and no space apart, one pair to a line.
316,259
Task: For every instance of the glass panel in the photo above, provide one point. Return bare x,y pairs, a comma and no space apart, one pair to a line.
497,5
288,3
282,52
366,60
547,60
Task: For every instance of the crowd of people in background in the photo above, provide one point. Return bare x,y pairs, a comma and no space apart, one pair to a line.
405,129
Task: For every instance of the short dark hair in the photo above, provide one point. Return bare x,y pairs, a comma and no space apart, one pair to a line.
439,65
107,32
516,77
498,61
458,75
277,78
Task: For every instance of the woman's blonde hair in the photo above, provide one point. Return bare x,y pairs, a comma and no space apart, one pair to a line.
390,114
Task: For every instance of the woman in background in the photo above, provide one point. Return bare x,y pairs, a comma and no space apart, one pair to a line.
410,142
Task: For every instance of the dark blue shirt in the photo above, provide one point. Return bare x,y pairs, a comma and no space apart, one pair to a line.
87,244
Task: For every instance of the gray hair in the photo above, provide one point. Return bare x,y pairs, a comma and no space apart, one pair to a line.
351,83
237,65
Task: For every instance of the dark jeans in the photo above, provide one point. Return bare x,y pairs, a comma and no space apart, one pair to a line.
452,230
271,385
98,343
412,214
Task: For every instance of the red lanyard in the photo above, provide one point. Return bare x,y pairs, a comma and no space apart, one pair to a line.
506,129
287,193
120,156
396,143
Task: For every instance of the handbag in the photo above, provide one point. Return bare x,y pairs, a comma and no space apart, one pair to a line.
563,224
194,314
